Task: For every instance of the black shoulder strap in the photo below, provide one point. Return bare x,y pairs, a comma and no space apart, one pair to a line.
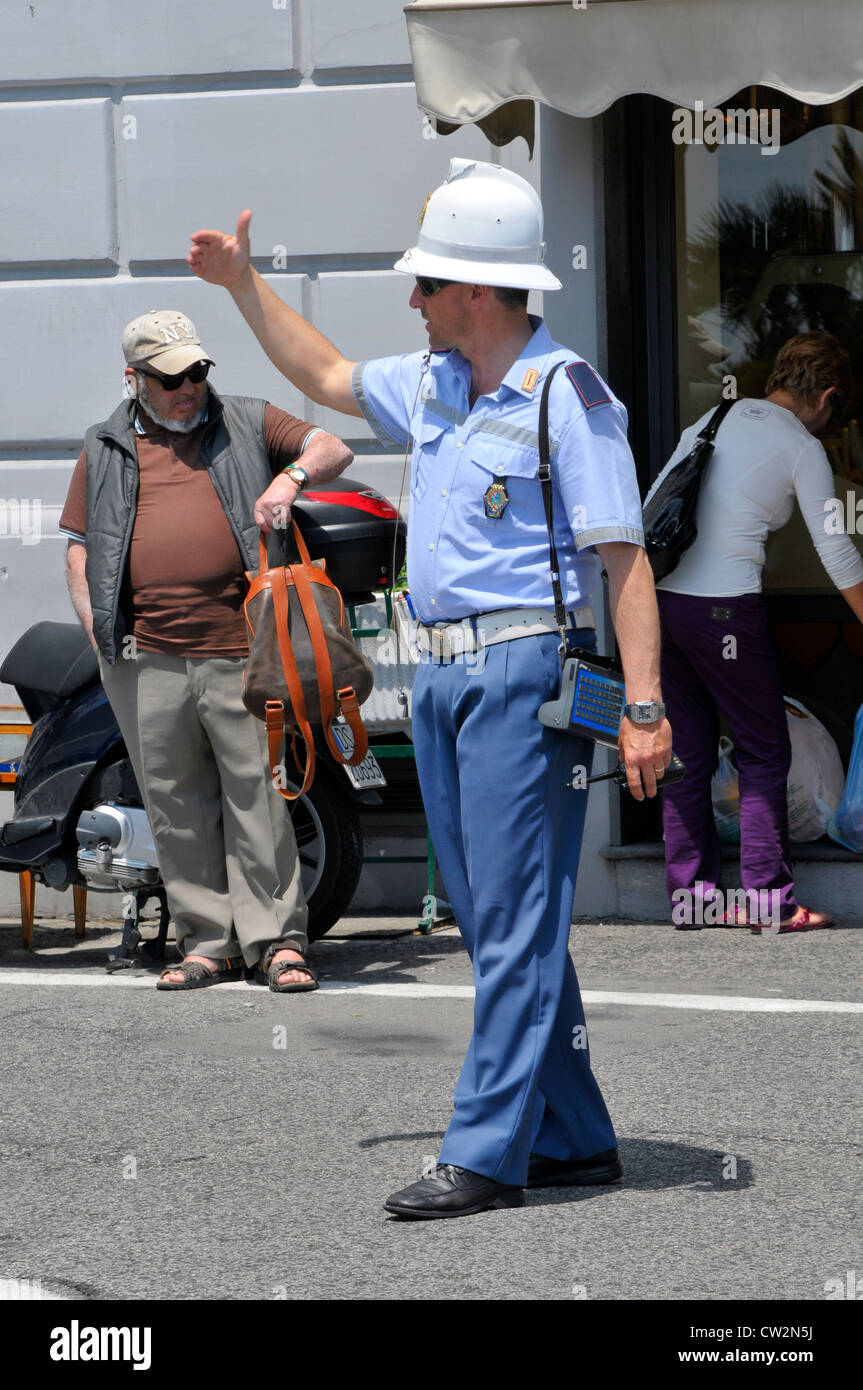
719,414
544,476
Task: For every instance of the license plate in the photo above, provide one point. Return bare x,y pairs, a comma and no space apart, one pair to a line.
366,774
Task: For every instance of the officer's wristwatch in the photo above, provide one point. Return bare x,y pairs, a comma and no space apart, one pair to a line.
298,475
644,711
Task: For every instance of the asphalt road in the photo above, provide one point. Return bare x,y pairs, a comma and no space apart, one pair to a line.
169,1146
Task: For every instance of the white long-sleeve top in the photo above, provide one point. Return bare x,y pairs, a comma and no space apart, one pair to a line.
763,458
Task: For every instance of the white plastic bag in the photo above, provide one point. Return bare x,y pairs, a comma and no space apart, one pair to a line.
725,792
816,779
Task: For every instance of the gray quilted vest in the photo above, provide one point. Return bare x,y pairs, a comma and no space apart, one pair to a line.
233,446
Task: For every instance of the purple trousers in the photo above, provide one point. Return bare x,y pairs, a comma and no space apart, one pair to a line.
717,658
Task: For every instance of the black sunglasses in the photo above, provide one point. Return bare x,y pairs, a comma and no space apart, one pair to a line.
428,286
196,373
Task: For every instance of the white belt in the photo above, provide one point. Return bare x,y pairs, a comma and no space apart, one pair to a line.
446,640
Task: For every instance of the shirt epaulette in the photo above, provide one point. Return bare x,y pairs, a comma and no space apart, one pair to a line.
587,384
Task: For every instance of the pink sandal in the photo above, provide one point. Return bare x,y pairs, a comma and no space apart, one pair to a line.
803,920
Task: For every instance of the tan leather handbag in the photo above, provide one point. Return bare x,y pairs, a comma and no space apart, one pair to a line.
304,667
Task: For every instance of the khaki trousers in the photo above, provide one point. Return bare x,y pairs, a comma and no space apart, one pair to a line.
226,845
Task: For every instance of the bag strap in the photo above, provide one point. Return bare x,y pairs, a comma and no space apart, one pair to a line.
706,436
346,698
275,708
348,705
302,548
350,708
323,668
719,414
544,476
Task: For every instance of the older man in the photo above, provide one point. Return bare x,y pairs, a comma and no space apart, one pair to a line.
163,516
506,829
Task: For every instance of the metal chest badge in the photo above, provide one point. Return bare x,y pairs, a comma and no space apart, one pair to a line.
496,499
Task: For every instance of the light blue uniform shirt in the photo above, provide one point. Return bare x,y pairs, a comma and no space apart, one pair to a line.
460,561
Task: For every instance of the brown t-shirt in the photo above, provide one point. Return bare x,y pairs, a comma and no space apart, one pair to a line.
185,576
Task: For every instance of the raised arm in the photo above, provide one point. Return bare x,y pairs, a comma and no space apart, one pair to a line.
76,559
300,352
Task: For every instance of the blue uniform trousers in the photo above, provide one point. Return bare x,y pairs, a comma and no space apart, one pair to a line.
507,835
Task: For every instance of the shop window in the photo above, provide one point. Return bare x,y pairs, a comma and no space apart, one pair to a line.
769,243
769,240
720,254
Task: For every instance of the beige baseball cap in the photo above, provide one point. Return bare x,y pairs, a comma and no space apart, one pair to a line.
164,339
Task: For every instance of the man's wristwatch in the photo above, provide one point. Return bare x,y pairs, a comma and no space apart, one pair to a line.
644,711
297,475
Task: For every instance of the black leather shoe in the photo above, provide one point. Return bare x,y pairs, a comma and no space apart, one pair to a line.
452,1191
574,1172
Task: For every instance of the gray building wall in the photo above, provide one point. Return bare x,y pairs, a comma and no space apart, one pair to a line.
124,129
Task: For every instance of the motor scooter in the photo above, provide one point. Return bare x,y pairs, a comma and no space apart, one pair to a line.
79,817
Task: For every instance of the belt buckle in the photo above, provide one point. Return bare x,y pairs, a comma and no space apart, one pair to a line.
450,641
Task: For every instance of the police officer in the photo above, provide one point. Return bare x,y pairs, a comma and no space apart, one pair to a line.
527,1111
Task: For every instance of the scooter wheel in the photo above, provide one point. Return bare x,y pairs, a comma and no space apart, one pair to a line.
330,843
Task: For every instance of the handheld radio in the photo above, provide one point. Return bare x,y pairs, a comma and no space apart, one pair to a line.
590,705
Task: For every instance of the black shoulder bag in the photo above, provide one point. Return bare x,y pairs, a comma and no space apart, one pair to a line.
669,517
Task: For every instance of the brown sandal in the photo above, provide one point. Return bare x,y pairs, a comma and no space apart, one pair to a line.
269,974
196,975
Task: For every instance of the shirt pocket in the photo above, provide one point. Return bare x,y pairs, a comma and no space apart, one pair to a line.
427,434
491,456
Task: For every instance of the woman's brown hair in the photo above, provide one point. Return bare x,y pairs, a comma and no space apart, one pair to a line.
808,364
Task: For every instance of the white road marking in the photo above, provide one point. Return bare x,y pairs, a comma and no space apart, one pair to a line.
30,1290
707,1003
725,1003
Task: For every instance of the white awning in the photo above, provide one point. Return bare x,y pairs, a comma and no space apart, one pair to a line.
470,57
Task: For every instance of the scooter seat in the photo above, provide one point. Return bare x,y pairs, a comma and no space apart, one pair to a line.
48,664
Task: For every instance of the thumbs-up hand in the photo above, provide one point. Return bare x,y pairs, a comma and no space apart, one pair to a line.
219,258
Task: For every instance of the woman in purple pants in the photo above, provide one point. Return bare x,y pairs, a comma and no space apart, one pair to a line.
717,656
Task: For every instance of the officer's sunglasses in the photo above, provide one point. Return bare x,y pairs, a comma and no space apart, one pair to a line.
428,286
196,374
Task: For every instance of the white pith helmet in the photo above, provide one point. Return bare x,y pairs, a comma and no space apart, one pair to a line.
482,226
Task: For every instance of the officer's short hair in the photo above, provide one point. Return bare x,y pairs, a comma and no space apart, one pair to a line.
808,364
511,298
